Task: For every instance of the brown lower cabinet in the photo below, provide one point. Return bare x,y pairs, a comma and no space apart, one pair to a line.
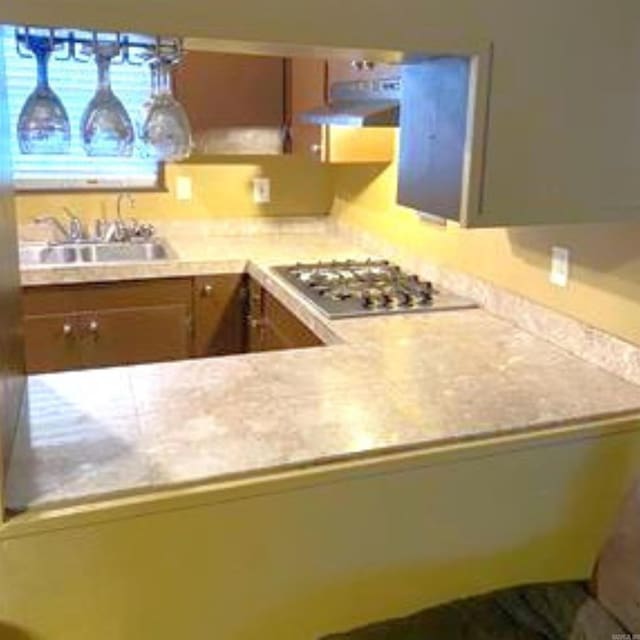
95,325
219,315
272,326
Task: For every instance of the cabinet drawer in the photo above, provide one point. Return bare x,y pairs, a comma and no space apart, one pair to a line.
92,297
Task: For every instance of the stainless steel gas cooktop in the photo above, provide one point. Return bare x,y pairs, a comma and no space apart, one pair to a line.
353,288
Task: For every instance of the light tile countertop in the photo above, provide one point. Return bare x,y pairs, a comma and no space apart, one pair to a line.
383,383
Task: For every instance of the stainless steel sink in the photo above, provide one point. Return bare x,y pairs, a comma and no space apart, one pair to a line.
37,253
125,252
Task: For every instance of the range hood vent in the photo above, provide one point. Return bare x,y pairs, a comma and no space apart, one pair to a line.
369,103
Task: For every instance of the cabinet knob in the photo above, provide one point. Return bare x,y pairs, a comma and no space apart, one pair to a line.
316,149
254,324
67,329
207,290
94,326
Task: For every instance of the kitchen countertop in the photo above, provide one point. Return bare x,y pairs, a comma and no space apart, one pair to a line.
382,384
205,255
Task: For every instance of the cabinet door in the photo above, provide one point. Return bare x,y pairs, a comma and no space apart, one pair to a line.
230,90
433,135
135,335
290,332
255,317
52,343
219,315
271,339
272,326
307,89
74,326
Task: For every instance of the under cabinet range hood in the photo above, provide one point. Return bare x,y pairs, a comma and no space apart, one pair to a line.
362,103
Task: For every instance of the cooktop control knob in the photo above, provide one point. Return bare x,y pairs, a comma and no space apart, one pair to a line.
425,296
404,299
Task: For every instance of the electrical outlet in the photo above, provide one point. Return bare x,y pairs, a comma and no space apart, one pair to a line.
184,188
559,274
261,190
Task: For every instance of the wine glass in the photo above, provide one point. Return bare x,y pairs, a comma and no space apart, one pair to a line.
106,127
165,132
43,124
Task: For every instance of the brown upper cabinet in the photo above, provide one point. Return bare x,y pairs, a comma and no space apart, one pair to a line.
309,80
227,91
220,90
225,94
307,88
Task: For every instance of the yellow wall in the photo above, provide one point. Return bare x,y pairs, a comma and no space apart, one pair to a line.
604,287
301,556
221,188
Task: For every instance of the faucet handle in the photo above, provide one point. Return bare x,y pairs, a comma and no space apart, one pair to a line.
100,229
55,224
146,231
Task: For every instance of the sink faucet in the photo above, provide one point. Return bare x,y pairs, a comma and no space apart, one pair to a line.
74,233
121,197
54,223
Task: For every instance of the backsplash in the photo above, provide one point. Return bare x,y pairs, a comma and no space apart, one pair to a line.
298,187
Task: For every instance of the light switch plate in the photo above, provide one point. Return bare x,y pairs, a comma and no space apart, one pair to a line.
184,189
559,274
261,190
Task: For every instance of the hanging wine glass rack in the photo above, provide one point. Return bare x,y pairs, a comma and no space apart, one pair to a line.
77,46
106,128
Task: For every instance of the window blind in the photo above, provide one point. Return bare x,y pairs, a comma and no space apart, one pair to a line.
75,84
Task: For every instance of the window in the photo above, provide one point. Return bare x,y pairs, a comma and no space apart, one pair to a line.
75,84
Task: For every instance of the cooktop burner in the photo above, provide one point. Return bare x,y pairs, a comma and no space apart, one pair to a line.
344,289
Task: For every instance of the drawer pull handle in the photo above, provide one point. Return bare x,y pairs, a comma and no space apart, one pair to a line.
207,290
67,329
94,326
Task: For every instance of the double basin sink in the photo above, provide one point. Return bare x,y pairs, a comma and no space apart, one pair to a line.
40,253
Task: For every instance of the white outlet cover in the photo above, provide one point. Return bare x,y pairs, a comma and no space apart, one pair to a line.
559,274
184,188
261,190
